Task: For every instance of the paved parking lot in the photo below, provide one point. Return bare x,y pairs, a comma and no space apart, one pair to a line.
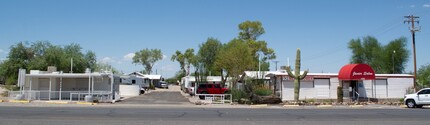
159,96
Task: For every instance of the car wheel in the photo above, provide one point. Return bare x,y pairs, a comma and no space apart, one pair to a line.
410,103
202,96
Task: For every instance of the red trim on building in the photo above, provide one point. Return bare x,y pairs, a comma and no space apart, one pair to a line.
356,72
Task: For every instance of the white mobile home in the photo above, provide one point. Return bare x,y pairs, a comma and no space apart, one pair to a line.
148,79
357,83
131,85
42,85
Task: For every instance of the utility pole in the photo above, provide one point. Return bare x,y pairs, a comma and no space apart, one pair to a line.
412,19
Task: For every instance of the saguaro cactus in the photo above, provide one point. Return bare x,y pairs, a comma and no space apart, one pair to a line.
297,77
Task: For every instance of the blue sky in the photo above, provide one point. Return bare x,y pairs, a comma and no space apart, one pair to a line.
114,29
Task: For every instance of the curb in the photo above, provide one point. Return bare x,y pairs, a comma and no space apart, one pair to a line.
258,106
57,102
19,101
324,106
86,103
356,106
290,106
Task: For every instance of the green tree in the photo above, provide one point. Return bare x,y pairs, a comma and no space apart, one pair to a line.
423,76
91,60
41,54
185,59
249,33
100,67
369,51
19,56
73,51
178,56
250,30
395,56
208,52
235,58
147,57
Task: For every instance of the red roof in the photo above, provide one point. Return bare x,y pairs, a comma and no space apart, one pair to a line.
356,72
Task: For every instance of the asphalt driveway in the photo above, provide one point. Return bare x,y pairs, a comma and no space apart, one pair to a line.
170,96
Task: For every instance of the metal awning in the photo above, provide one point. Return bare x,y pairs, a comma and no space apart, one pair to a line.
356,72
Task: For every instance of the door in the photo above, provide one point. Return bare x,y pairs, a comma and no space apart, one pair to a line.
380,88
322,87
44,89
424,96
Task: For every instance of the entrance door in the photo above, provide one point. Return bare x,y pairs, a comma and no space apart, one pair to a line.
44,89
354,90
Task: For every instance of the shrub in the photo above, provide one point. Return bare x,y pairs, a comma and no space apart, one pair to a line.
237,94
401,100
339,94
262,91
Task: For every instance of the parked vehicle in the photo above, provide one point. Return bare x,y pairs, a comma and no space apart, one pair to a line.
417,100
142,90
211,89
164,85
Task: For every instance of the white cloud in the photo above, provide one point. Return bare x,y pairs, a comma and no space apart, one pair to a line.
1,51
412,6
107,60
426,5
129,56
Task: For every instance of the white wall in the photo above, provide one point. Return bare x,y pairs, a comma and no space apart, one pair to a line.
397,87
129,90
334,83
368,86
287,90
307,90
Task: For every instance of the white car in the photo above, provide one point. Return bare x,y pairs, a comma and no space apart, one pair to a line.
417,100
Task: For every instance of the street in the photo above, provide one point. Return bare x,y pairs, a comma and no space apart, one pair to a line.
163,115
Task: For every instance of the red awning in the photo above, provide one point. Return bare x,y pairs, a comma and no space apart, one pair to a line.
356,72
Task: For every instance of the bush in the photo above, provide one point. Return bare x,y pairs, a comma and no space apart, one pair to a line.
262,91
339,94
401,100
238,94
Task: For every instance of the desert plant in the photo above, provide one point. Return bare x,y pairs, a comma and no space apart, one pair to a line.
238,94
297,77
262,91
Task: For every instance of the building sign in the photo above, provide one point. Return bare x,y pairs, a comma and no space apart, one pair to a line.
362,74
307,78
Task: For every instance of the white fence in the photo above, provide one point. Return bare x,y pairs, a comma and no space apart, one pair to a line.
216,98
101,96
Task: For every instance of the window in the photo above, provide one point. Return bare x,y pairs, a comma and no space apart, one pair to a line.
427,91
210,86
133,81
202,86
217,85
